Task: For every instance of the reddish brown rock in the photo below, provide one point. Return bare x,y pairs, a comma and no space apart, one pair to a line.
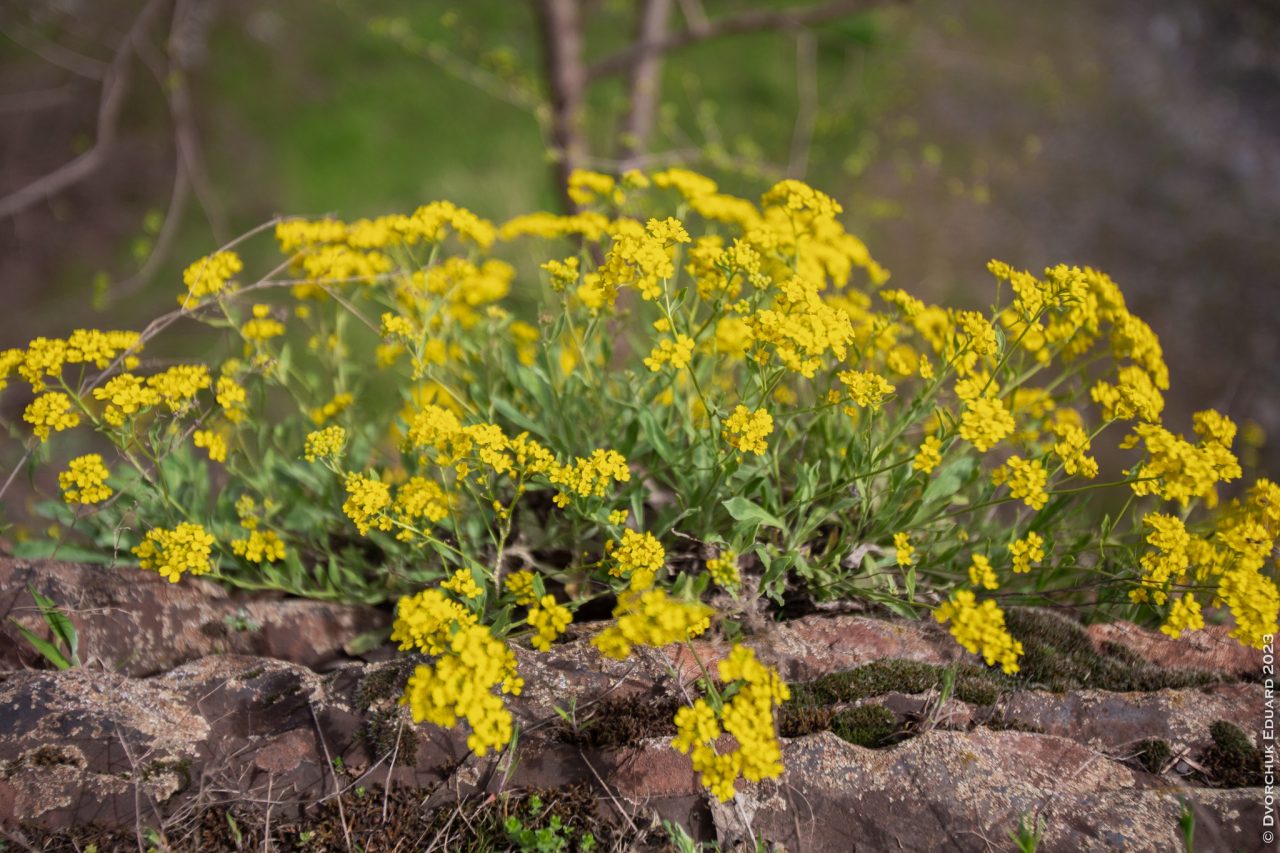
137,623
1112,722
1209,648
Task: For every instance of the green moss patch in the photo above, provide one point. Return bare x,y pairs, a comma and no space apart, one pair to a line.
1059,656
973,684
1232,760
866,725
1152,754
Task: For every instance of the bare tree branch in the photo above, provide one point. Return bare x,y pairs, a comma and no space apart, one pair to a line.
114,86
54,53
755,20
561,32
37,99
644,83
806,103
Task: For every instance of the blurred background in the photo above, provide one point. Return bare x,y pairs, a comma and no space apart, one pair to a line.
1138,137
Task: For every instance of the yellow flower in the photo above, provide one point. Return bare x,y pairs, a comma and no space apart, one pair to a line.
367,503
985,422
1026,479
462,584
981,574
327,443
677,353
651,618
185,548
747,430
724,570
589,477
549,620
1025,551
1183,616
637,556
459,686
748,716
1073,448
214,443
209,276
425,621
865,388
231,397
904,551
262,326
126,395
261,546
520,585
85,480
50,412
928,456
980,629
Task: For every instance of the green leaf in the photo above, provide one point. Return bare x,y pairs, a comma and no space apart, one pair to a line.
62,627
752,513
43,646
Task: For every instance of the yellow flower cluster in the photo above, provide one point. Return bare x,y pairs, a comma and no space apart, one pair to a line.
651,618
746,430
724,570
462,584
904,552
231,397
748,716
677,352
1072,448
1183,616
590,477
1254,603
260,546
416,499
1177,470
185,548
985,422
548,620
214,443
338,404
641,256
1025,551
928,456
425,621
209,275
636,556
50,412
126,395
85,480
460,686
802,327
44,357
520,585
1169,559
327,443
980,629
1026,479
981,574
367,503
262,326
865,389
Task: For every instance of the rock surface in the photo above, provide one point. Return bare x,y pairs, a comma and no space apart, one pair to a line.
137,623
118,750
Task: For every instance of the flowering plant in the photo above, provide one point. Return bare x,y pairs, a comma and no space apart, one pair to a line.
672,395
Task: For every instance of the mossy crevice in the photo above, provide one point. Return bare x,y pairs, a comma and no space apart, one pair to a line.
1059,655
1232,760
